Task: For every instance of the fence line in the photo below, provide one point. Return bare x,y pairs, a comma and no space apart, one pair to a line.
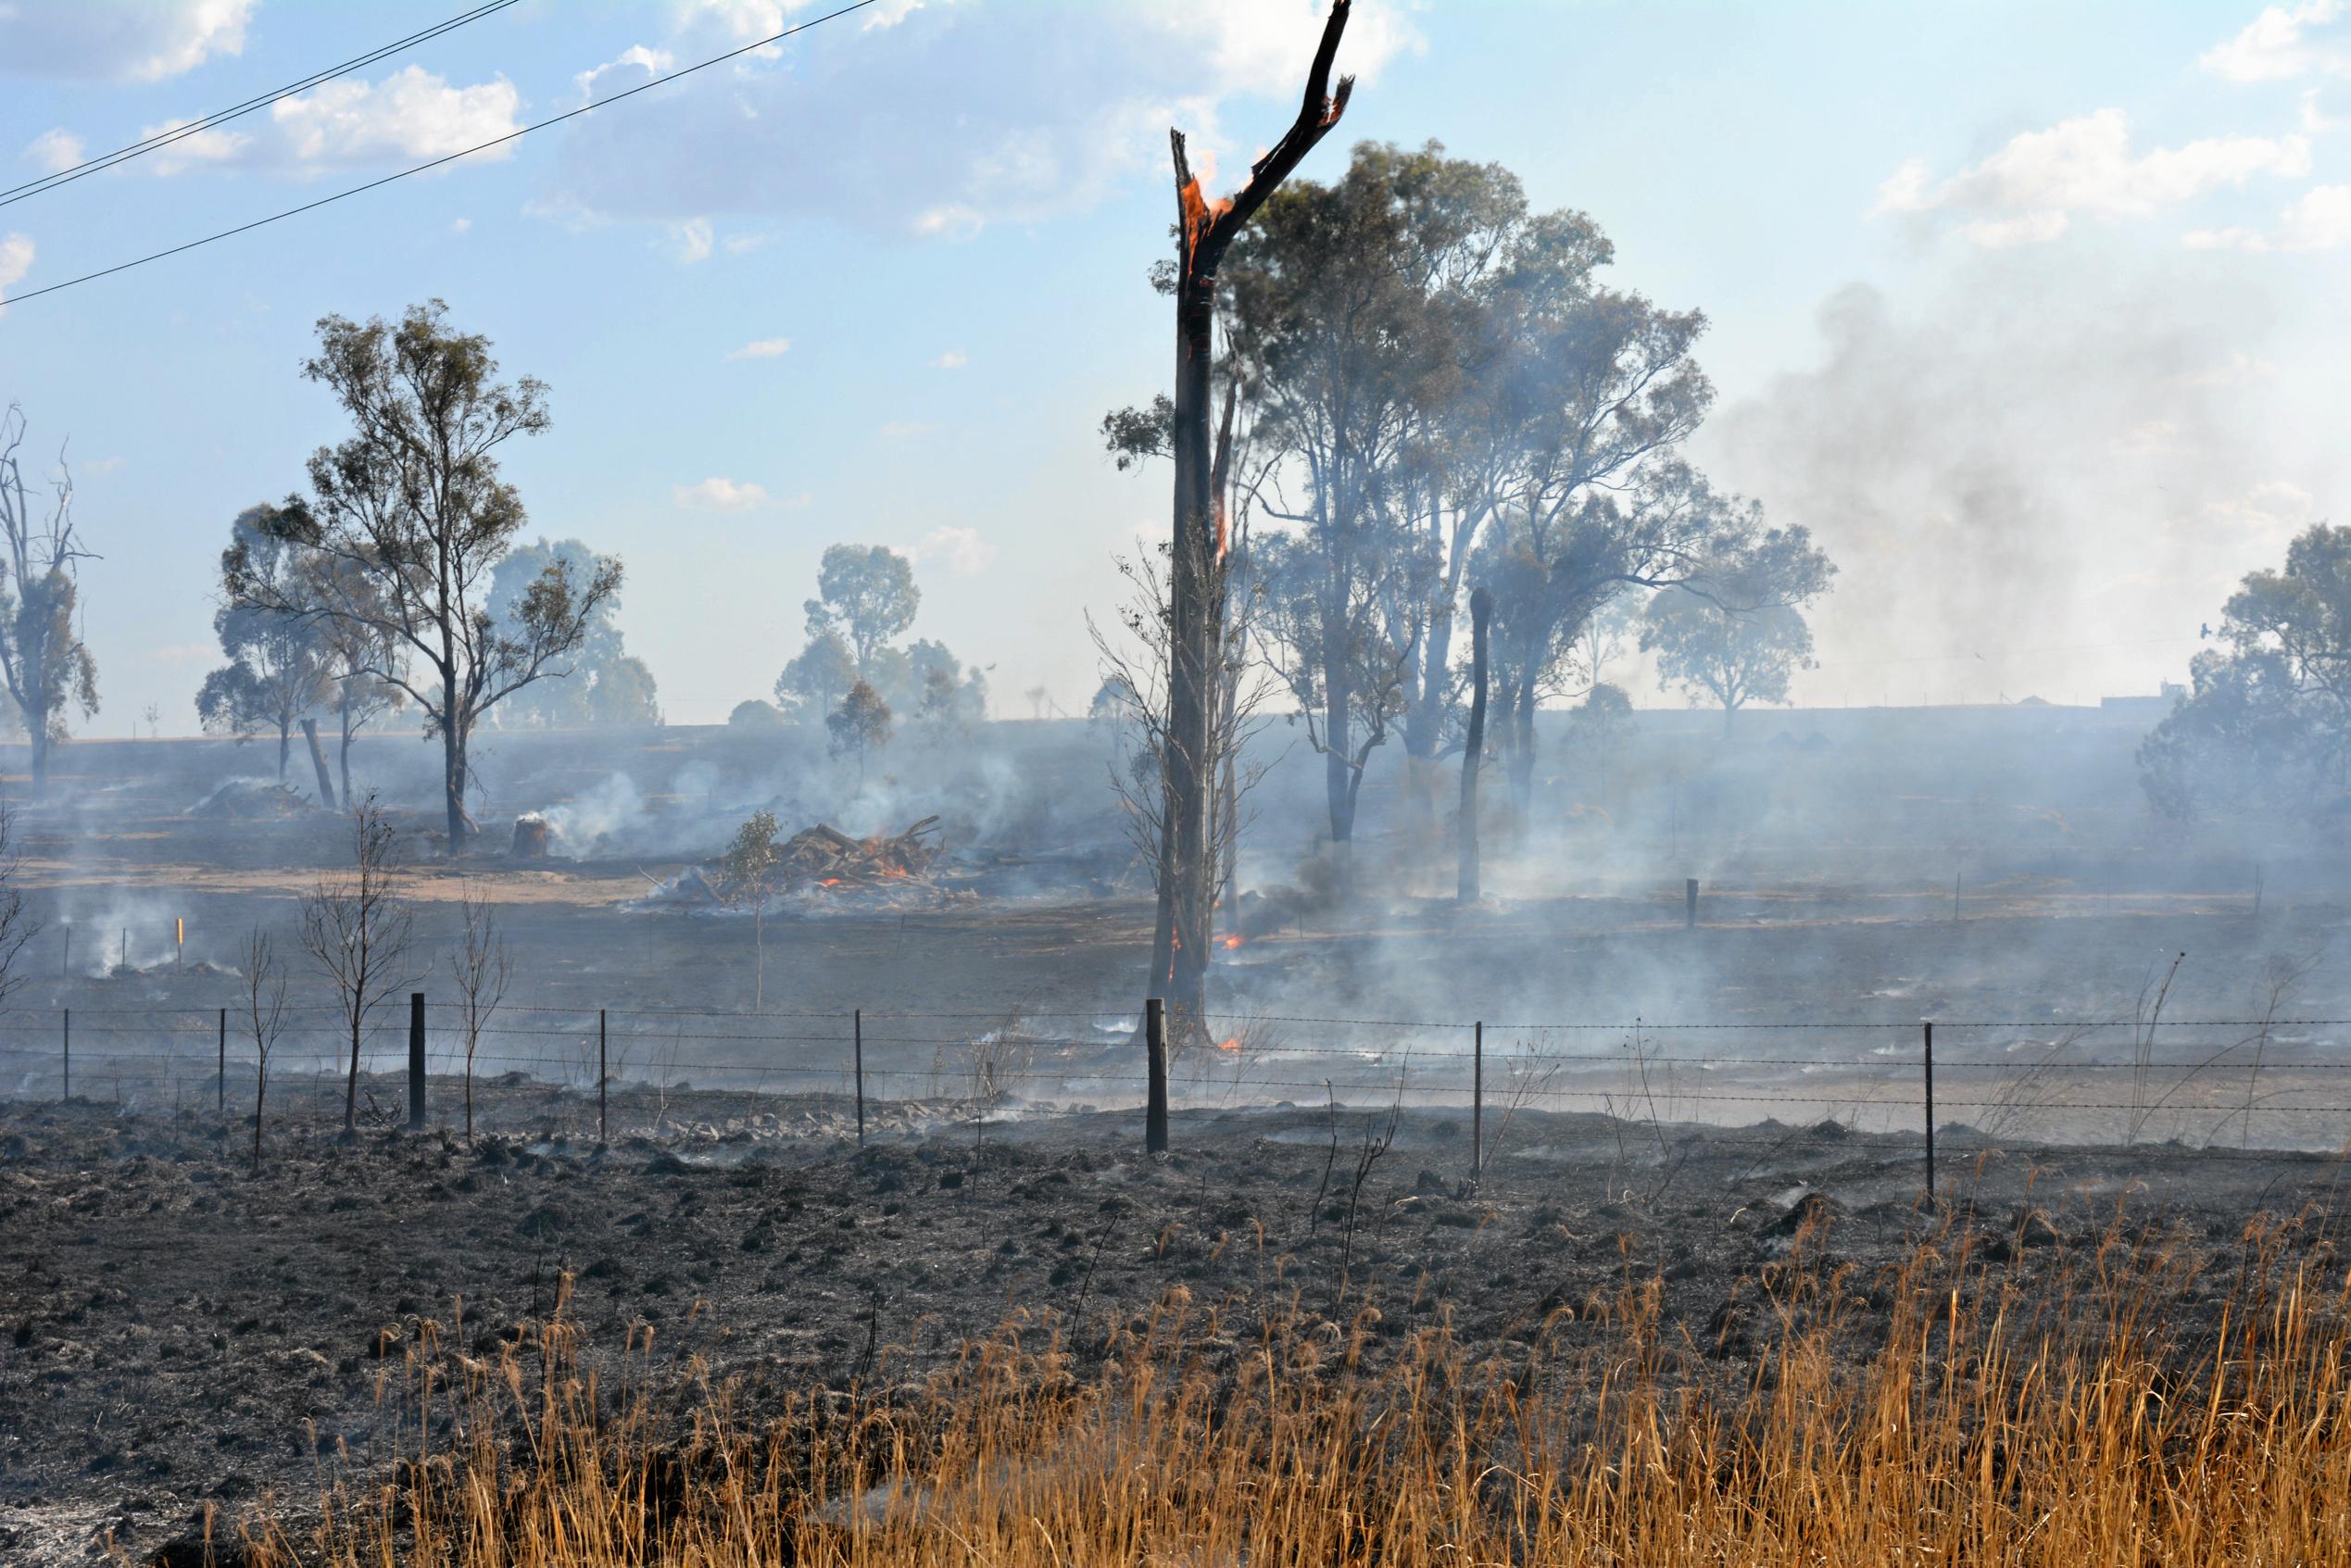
2182,1070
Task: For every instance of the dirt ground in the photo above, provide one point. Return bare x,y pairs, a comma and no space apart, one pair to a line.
176,1328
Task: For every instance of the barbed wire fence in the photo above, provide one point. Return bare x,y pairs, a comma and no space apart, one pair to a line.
2205,1088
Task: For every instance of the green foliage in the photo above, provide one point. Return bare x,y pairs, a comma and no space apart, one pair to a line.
1735,632
281,664
861,724
753,853
866,594
754,714
2267,722
816,679
603,683
870,596
43,663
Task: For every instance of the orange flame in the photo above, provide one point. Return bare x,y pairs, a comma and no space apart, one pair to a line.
1231,1045
1231,941
830,882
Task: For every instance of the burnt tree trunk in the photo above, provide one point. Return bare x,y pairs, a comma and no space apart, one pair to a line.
317,763
1481,606
1196,567
343,754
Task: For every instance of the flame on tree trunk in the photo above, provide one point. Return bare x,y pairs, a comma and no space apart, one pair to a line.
1187,866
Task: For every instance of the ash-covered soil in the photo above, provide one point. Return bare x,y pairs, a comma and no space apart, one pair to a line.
177,1329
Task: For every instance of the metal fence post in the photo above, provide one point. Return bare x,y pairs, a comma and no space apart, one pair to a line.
1477,1101
603,1077
1929,1041
68,1095
857,1041
416,1060
221,1086
1689,903
1155,1110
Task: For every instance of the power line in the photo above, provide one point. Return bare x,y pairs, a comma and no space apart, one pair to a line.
32,188
495,141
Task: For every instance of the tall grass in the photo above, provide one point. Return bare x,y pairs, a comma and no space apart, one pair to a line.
1946,1411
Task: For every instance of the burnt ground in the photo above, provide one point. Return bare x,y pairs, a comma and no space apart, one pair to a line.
176,1329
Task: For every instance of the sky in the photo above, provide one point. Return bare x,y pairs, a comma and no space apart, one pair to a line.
2034,313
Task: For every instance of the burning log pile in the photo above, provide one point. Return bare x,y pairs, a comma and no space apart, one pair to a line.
813,862
825,857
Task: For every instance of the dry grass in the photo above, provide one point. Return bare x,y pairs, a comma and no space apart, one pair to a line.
1947,1411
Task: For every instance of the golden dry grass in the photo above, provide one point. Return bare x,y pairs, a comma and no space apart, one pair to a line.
1945,1411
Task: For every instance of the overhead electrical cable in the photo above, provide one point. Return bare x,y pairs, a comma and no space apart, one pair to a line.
16,299
182,131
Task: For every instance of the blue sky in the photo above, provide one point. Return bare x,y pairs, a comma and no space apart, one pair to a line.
2035,312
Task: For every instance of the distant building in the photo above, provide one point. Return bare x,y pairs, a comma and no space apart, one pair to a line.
2169,694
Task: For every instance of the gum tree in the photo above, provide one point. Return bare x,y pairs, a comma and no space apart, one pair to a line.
42,660
414,506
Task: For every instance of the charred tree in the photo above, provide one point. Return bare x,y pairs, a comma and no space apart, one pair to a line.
318,762
1481,609
1197,563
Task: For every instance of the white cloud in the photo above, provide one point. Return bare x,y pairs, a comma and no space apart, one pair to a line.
2232,238
15,260
410,114
1002,111
961,550
2147,440
460,225
691,241
635,66
145,42
100,468
53,152
953,360
890,13
2028,228
716,495
739,21
743,244
2028,192
2320,220
2258,524
2239,368
763,348
2284,41
952,221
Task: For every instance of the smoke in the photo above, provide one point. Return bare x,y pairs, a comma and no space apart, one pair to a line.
2042,483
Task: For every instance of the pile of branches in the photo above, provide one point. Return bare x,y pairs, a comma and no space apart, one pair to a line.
825,857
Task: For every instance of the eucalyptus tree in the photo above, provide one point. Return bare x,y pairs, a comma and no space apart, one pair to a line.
45,665
414,507
280,669
1737,633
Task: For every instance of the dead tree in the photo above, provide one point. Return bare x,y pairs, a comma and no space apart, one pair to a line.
478,963
359,928
1481,612
42,660
265,1018
1187,861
